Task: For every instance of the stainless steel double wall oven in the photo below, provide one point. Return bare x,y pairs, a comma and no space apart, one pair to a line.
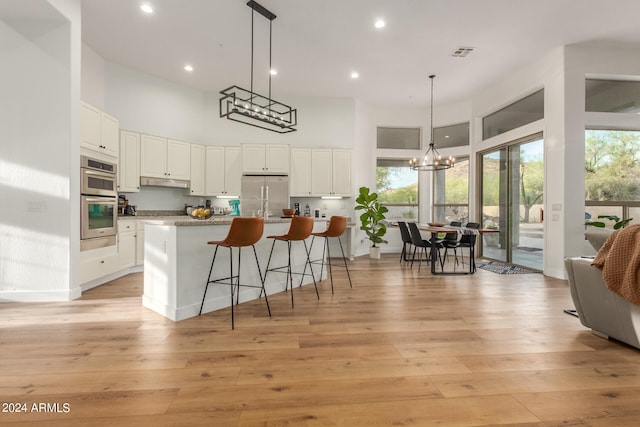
98,203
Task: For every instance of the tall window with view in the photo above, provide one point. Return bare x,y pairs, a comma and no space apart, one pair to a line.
397,188
612,174
451,193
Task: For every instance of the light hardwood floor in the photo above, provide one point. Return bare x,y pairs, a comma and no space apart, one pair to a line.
400,348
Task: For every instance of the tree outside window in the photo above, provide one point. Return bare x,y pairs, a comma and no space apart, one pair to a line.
612,174
451,193
397,188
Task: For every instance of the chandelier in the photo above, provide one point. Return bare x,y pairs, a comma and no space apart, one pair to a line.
432,160
248,107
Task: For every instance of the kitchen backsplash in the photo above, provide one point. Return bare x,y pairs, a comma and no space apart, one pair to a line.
174,199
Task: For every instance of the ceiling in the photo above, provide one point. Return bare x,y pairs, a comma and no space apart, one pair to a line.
317,44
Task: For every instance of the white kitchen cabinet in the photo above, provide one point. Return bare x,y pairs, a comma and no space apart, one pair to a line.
178,159
98,263
164,158
100,131
129,162
265,158
126,244
198,163
300,177
341,166
223,175
233,170
321,172
330,172
139,242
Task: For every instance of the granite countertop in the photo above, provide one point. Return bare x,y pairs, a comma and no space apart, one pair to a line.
185,220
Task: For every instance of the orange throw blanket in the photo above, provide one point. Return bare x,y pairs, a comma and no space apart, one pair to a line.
619,260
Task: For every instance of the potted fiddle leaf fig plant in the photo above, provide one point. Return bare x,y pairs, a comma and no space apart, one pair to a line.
372,219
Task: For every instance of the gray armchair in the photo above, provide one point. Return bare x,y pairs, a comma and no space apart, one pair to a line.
606,313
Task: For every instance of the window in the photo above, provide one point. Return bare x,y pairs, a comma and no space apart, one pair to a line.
398,138
612,165
451,193
451,136
612,174
522,112
612,96
397,188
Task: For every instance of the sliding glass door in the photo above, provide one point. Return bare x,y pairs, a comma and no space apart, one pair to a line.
512,185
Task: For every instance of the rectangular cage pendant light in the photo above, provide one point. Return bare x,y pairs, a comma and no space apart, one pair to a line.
242,105
248,107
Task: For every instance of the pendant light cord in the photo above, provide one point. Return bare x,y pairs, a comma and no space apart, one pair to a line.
252,13
270,69
431,123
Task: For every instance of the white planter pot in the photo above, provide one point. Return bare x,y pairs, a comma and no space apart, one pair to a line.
374,252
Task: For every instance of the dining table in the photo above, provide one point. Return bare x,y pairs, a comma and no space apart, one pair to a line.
437,229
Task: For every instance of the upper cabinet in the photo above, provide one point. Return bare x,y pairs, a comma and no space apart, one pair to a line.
129,162
197,170
341,166
100,131
164,158
265,158
223,171
300,179
330,172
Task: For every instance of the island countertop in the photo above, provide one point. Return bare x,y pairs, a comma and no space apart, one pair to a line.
185,220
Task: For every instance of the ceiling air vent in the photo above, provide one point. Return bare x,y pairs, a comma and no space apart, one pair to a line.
461,52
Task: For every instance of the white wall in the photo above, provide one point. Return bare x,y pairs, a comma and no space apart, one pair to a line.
92,84
39,215
562,74
147,104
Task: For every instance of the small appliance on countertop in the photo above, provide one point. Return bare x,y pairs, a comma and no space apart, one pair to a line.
130,210
124,208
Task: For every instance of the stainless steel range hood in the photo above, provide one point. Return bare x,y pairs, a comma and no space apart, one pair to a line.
164,182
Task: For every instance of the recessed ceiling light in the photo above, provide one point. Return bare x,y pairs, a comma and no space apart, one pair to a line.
188,67
446,136
273,72
146,8
379,23
354,75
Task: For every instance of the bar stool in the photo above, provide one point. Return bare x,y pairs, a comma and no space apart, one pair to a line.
299,230
337,225
243,232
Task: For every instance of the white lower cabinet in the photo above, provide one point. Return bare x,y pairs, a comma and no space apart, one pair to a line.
98,263
126,244
140,243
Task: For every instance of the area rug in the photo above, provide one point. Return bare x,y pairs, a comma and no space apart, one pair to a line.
501,268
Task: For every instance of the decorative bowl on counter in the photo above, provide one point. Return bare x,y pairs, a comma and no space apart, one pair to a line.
201,213
288,212
436,224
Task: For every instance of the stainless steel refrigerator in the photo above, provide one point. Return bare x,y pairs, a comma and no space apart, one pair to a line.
260,190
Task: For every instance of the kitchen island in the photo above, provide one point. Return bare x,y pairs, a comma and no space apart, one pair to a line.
177,259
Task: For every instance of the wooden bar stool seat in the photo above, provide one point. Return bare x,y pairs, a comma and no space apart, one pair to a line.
299,230
242,233
337,226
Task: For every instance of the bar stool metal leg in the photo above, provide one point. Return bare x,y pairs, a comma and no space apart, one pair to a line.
243,232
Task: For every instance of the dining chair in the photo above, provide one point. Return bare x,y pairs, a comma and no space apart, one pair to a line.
420,243
452,241
406,240
469,241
